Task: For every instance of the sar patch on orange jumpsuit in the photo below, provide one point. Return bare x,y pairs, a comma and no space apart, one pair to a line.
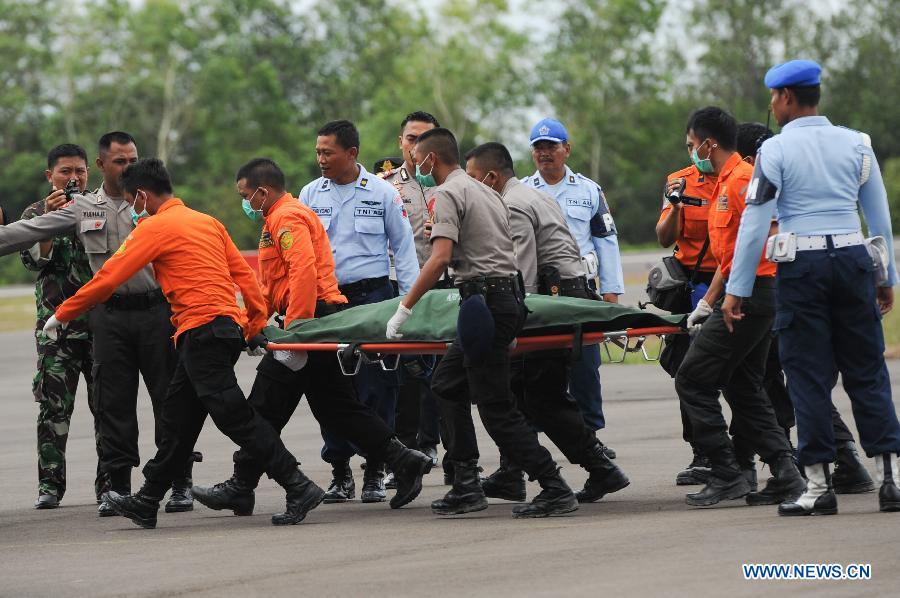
296,264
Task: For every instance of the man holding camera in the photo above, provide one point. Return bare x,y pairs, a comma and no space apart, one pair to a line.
683,221
62,268
132,331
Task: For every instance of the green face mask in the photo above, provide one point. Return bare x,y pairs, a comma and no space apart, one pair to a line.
705,166
426,180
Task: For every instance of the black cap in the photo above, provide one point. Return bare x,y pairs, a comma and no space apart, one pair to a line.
385,164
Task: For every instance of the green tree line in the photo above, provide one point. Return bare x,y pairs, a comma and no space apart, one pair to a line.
206,85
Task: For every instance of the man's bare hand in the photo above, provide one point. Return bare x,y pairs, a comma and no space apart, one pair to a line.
610,297
55,200
731,311
885,296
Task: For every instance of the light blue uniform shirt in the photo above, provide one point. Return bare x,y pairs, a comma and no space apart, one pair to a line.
361,224
590,222
821,171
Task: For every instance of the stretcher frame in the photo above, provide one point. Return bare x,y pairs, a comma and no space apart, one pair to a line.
351,356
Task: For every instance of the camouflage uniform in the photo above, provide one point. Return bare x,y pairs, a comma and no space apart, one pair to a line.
59,362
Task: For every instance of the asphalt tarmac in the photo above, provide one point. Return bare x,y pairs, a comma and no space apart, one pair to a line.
641,541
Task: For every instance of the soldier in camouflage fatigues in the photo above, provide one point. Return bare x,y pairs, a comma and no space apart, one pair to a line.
60,362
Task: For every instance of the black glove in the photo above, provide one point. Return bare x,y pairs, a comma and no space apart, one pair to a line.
256,346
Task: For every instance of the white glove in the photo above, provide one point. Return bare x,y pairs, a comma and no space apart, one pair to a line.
397,320
293,360
53,326
700,313
591,264
257,352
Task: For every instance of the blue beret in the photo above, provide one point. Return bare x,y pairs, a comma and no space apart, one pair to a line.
549,129
475,328
801,73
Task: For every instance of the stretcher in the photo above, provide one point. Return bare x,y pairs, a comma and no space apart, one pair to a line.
356,335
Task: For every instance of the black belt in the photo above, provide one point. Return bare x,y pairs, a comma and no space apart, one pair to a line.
135,301
366,285
568,285
488,286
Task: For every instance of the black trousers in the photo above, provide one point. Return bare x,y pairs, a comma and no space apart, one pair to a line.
776,390
332,398
458,381
204,384
734,363
539,383
418,422
129,344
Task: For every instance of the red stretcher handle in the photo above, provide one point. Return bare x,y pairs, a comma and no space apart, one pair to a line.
523,345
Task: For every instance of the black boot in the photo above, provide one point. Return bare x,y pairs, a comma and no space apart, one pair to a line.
725,482
181,499
466,495
694,474
447,466
141,508
786,483
750,475
408,466
818,499
120,483
373,483
303,495
342,487
231,495
555,498
889,493
508,482
850,475
605,476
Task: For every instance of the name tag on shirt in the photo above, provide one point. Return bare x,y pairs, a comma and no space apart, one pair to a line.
581,203
92,224
368,212
322,211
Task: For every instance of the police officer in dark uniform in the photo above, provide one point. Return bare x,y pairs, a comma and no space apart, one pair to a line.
550,262
132,330
418,416
471,233
832,291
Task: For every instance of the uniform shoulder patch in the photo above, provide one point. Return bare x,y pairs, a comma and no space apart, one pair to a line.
285,239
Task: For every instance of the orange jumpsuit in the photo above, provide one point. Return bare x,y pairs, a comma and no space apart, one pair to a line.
196,264
692,230
296,264
725,215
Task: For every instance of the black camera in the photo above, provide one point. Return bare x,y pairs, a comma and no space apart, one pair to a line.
675,197
71,189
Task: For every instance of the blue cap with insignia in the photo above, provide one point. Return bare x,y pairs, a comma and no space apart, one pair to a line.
799,73
549,129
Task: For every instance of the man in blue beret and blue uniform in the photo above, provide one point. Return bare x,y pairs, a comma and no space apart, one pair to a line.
362,215
832,291
590,222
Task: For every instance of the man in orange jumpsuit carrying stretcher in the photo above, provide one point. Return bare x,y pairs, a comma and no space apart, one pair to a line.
197,266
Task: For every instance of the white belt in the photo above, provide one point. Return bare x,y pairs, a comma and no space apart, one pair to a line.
813,242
